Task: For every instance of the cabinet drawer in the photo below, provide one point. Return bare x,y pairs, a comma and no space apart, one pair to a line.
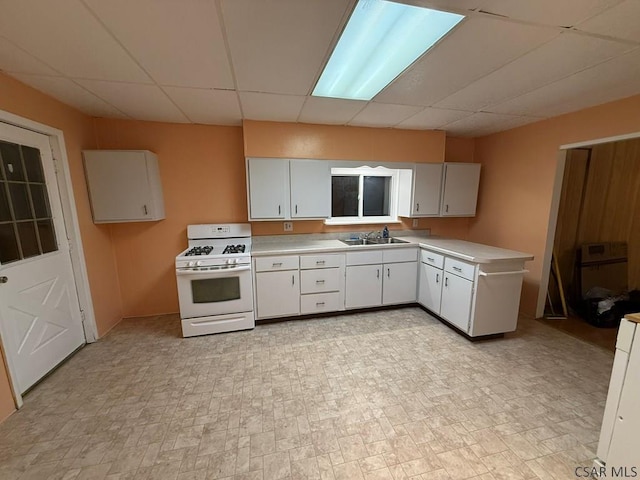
460,268
394,255
320,302
368,257
431,258
321,261
320,280
269,264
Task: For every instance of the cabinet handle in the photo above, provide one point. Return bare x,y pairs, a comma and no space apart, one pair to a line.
293,279
446,208
388,273
277,264
437,278
417,207
431,259
378,273
457,269
320,262
146,212
319,304
446,281
318,282
296,209
279,210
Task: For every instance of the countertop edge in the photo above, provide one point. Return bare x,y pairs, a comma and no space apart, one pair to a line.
265,251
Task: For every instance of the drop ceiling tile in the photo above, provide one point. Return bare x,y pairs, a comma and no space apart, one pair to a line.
334,111
383,115
15,60
562,13
563,56
211,107
271,107
177,43
69,39
481,122
142,102
433,118
279,46
475,48
620,21
607,81
71,94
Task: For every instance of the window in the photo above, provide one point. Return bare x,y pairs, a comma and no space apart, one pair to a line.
363,195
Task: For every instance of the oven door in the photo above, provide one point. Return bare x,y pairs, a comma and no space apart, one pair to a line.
205,293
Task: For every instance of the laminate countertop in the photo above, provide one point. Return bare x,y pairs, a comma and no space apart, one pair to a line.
633,317
469,251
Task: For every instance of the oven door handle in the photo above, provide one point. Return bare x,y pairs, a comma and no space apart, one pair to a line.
217,271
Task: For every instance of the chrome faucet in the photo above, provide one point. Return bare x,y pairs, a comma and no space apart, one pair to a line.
370,235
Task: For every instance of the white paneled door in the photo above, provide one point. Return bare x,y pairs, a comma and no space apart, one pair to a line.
40,317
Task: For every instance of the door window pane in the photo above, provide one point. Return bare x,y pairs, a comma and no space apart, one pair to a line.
47,236
23,200
28,239
5,213
212,290
344,196
375,196
8,244
11,162
40,200
33,164
20,201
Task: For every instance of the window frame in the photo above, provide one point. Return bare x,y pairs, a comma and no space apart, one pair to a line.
362,172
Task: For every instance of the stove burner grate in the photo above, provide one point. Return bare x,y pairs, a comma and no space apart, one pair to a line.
206,250
234,249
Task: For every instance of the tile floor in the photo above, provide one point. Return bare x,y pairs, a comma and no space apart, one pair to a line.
391,394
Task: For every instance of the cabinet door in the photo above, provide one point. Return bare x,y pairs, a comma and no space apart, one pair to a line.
399,282
624,451
310,189
460,189
363,286
120,186
426,189
455,306
430,287
268,187
277,293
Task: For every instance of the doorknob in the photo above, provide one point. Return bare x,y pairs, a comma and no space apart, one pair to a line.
4,279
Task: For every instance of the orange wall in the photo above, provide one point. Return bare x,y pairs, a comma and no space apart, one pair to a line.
202,170
517,180
26,102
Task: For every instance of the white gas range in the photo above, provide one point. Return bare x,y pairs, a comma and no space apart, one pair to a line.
214,279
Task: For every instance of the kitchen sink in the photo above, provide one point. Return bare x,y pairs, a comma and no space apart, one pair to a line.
372,241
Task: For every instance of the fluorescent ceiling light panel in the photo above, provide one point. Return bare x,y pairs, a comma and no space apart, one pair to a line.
380,41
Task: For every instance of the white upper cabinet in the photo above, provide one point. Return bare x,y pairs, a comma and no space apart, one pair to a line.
420,190
310,188
268,187
460,189
124,186
280,189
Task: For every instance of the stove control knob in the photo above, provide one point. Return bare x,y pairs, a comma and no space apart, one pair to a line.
191,264
198,263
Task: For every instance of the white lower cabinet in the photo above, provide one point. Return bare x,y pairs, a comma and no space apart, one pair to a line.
321,283
430,291
277,283
363,286
455,306
399,283
381,277
479,299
